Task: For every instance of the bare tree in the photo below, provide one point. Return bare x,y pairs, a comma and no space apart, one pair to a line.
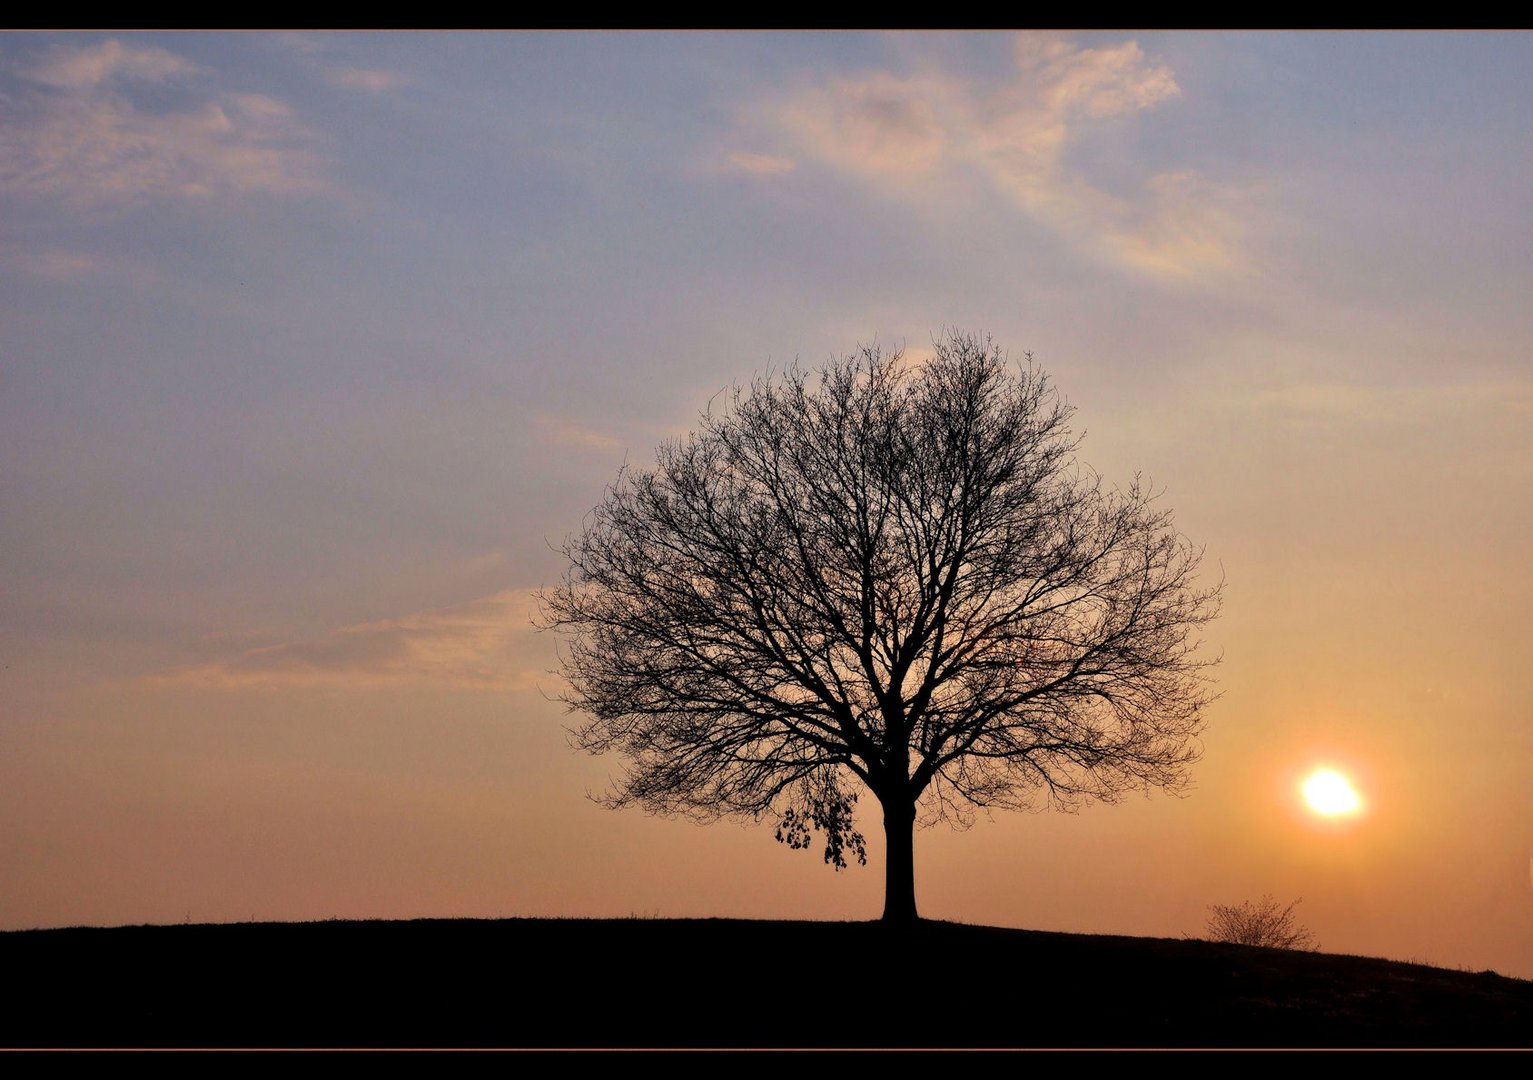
887,578
1264,923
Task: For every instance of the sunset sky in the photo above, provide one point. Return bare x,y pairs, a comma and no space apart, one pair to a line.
313,349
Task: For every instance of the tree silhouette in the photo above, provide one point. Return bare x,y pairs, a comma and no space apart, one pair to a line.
889,578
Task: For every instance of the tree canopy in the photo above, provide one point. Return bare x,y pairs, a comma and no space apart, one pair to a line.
888,577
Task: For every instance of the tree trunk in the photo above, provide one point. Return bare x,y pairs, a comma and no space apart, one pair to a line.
899,862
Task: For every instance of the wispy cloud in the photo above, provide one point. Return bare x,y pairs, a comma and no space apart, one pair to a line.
488,643
94,127
53,265
910,135
371,80
1186,227
879,126
1314,403
325,55
73,68
562,432
300,44
759,164
1098,82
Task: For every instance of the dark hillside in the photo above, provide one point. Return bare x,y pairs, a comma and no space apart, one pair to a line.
721,983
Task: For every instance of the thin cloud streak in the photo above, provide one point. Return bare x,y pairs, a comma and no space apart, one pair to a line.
479,645
53,265
371,80
1391,405
562,432
760,164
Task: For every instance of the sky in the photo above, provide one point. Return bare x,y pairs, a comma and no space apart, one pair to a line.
314,349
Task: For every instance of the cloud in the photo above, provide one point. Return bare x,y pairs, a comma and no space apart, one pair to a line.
372,80
94,127
760,164
1403,406
53,265
562,432
75,68
912,136
880,125
323,54
300,44
1187,228
1098,82
488,643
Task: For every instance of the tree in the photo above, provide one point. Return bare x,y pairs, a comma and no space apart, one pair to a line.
1261,923
883,578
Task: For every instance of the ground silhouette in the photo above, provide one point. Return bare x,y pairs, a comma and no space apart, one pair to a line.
556,983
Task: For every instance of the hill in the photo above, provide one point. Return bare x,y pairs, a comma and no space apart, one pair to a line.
557,983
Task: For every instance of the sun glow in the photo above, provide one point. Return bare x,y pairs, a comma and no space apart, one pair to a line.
1331,794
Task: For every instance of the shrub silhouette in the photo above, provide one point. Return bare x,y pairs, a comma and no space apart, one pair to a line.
1263,923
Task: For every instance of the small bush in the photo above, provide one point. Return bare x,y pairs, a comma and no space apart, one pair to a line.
1264,923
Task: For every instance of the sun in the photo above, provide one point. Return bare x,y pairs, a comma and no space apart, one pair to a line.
1331,794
